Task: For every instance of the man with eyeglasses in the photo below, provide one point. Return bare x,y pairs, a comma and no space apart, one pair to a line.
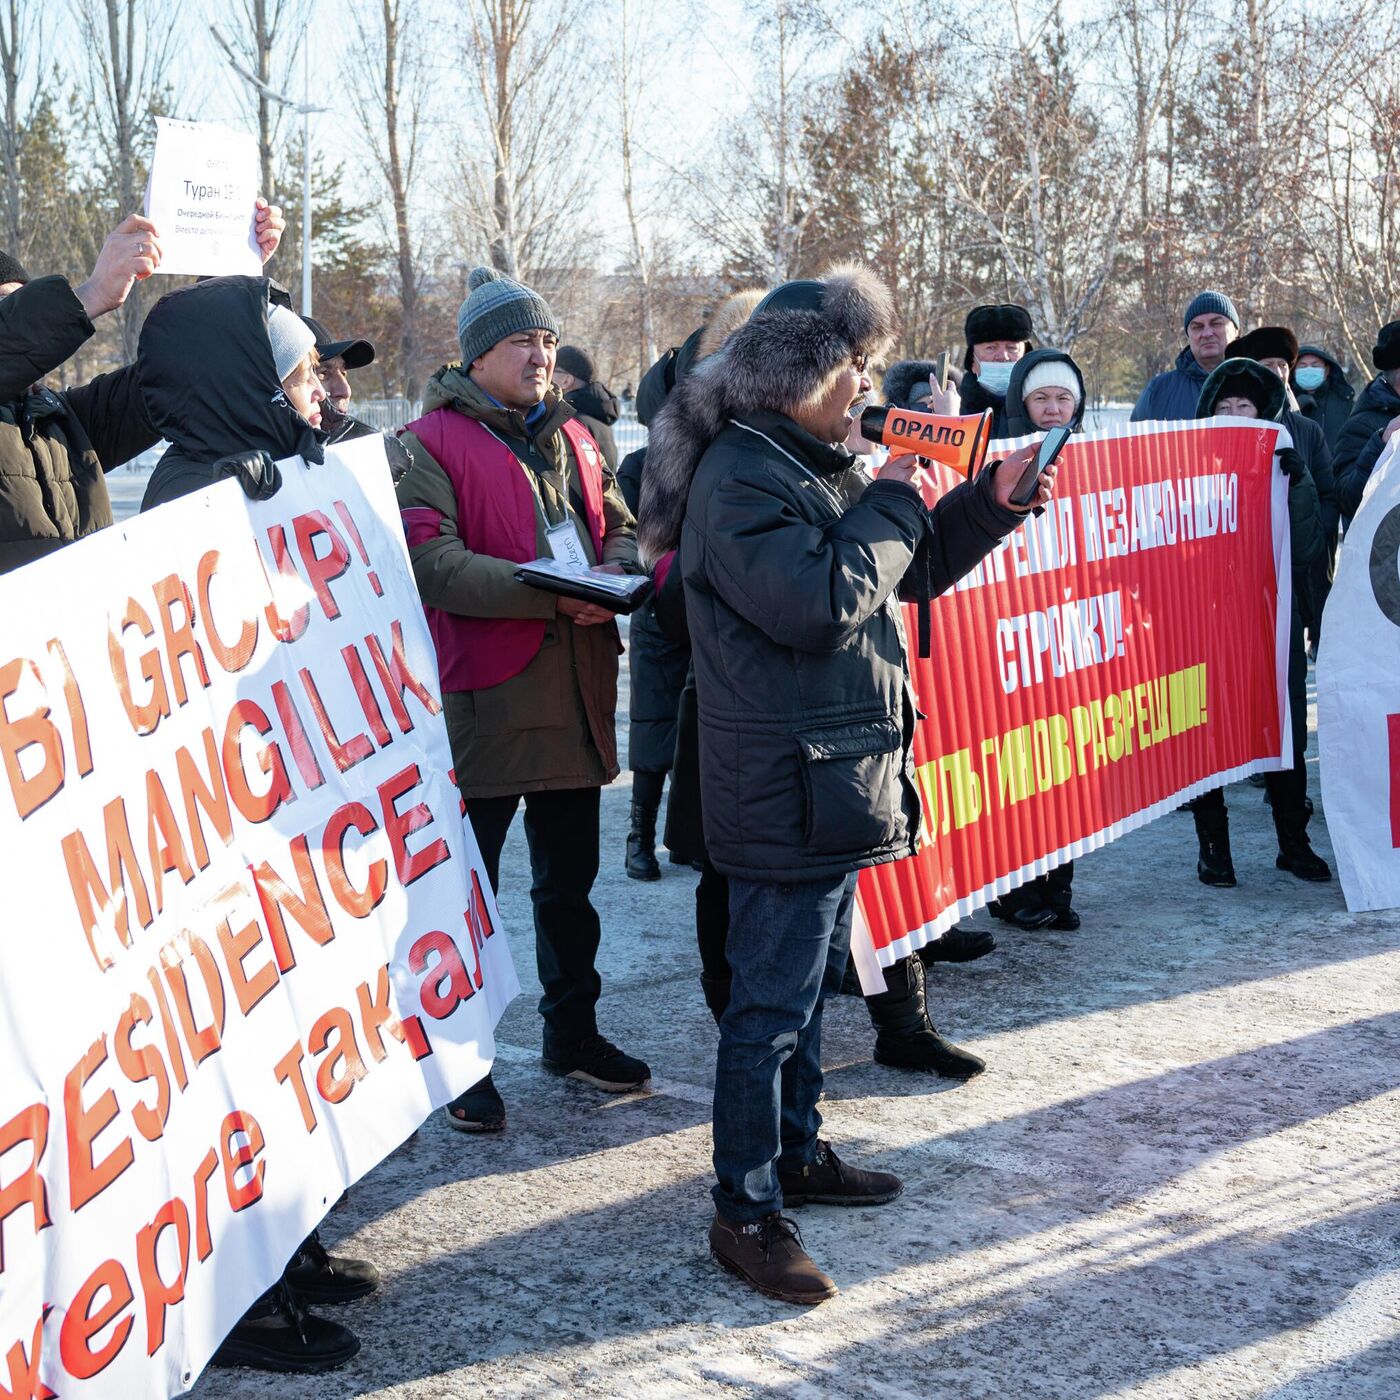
503,473
997,336
792,562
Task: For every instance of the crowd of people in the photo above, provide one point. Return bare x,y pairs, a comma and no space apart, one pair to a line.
768,681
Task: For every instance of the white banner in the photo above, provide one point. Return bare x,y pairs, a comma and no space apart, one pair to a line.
201,196
248,940
1358,697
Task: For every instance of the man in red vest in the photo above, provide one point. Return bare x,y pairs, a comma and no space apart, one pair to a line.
503,473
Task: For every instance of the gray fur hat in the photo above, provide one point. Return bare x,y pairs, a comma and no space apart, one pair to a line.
785,356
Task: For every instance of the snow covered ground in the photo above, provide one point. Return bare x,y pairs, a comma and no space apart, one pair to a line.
1176,1179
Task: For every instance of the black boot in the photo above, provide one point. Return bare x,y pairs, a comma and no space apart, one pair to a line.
1214,865
716,993
641,839
904,1036
321,1277
1291,811
278,1334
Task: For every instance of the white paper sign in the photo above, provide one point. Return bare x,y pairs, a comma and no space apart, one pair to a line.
1358,697
248,941
202,196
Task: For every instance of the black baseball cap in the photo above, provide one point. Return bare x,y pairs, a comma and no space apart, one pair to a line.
355,353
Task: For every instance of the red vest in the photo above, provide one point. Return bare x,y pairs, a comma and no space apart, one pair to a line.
497,515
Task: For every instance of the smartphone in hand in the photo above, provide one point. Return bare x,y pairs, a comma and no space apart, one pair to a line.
1029,483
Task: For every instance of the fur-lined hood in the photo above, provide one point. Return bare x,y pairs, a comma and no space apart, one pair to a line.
780,360
901,377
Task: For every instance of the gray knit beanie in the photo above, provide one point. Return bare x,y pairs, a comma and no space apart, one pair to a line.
292,339
1210,304
497,307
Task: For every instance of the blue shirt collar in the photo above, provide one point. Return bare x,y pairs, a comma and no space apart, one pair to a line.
531,418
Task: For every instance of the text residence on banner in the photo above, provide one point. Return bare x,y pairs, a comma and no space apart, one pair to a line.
249,941
1358,697
1118,654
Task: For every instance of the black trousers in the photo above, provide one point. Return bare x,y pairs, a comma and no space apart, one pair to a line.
562,831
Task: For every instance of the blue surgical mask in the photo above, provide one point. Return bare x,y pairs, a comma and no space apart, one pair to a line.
995,375
1310,377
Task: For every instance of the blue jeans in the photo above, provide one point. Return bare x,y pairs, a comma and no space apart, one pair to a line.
787,950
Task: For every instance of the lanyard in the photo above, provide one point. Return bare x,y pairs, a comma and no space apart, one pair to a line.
532,477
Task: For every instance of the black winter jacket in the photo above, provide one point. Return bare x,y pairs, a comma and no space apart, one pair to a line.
790,560
1360,444
210,384
974,399
597,406
1330,406
55,448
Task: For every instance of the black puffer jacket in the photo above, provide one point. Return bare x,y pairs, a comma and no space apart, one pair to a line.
56,448
597,406
210,384
1360,444
790,561
1330,406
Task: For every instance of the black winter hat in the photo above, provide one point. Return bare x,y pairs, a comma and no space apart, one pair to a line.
1265,343
577,362
1386,355
1244,386
12,270
1004,322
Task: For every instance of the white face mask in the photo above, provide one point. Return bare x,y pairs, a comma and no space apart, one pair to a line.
1310,377
995,375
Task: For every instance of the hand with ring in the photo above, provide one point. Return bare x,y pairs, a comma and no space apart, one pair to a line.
130,254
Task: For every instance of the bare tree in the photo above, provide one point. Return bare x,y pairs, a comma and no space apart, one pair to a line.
629,65
128,44
390,104
20,36
255,44
526,60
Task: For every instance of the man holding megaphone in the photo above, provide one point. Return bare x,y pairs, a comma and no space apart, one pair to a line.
792,560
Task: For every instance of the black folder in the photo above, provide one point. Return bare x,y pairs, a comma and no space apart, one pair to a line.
619,593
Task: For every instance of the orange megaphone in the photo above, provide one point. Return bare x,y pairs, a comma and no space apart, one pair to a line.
959,443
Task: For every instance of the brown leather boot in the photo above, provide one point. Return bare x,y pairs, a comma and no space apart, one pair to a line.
828,1181
769,1257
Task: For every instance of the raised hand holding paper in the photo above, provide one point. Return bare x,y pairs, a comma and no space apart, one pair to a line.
202,196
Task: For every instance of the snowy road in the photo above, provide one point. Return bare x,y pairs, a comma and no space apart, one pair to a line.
1176,1179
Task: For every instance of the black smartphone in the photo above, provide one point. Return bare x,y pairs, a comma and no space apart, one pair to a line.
940,371
1029,483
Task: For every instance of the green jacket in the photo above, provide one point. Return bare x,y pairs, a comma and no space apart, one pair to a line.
552,726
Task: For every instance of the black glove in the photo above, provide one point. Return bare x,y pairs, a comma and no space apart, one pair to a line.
1290,460
256,472
400,460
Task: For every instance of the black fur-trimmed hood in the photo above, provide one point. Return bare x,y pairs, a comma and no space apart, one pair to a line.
901,377
779,360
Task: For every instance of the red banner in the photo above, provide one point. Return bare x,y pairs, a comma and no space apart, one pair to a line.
1117,655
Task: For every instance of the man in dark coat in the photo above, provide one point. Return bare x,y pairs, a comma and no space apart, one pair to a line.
336,358
1276,348
1373,422
55,448
997,336
1243,387
1320,386
1210,322
791,560
589,397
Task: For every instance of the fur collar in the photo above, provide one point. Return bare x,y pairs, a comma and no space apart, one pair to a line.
778,361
